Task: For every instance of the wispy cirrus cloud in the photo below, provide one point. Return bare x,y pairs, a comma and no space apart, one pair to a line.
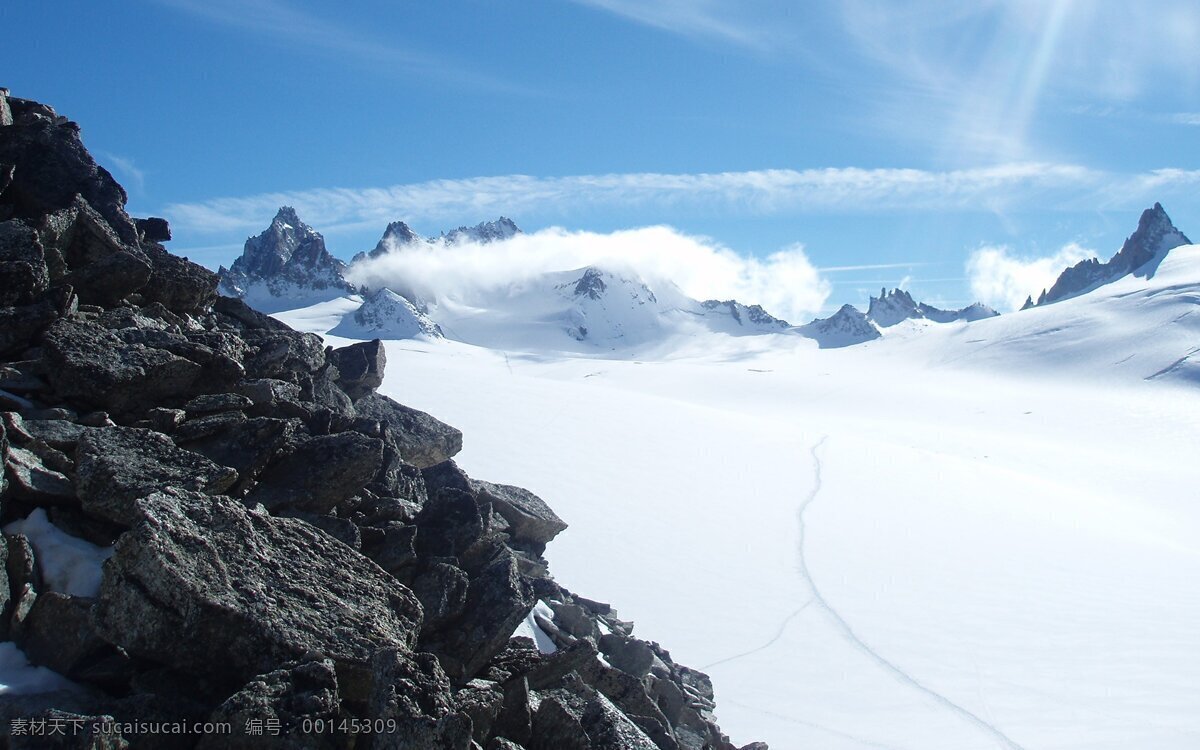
996,189
132,174
761,192
718,20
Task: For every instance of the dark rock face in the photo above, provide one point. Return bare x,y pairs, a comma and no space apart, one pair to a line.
420,439
205,586
360,367
289,546
1140,254
118,465
296,699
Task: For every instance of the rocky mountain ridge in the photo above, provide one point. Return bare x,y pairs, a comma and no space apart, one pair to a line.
1141,252
890,308
288,553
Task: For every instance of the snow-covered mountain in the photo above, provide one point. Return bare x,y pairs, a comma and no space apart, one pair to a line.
1139,255
484,232
387,315
400,235
592,309
846,327
890,308
287,264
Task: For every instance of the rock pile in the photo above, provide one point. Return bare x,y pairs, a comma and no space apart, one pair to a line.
290,554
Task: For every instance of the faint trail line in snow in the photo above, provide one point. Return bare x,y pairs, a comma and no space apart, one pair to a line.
778,634
812,725
858,643
507,363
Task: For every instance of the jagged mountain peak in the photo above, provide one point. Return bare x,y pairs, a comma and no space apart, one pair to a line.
845,327
386,314
286,261
485,231
1140,254
890,308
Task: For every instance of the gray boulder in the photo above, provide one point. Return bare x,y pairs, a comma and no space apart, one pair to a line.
360,367
577,717
117,465
206,586
412,691
320,473
530,519
297,700
421,439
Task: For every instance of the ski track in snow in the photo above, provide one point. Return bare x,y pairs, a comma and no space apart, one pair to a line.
852,638
778,634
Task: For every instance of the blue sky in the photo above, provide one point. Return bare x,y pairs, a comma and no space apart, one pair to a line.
963,148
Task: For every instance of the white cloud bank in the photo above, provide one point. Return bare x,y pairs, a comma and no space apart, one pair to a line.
1003,280
785,283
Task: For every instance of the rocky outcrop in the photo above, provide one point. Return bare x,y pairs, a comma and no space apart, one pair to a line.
287,551
387,315
890,308
846,327
1140,254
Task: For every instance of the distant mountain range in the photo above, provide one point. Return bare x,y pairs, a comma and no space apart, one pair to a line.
287,266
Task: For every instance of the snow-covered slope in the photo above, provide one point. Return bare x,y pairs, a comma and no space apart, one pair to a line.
960,537
286,266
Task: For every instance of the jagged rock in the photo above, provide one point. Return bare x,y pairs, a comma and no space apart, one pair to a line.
215,402
34,482
628,693
24,581
413,691
102,266
20,324
23,272
629,655
202,427
246,445
498,598
52,167
391,547
117,465
293,700
266,394
178,284
360,367
165,420
5,588
95,367
499,743
204,585
80,732
153,229
448,523
320,473
530,519
58,433
890,308
481,700
577,717
421,439
442,589
58,634
283,355
341,529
